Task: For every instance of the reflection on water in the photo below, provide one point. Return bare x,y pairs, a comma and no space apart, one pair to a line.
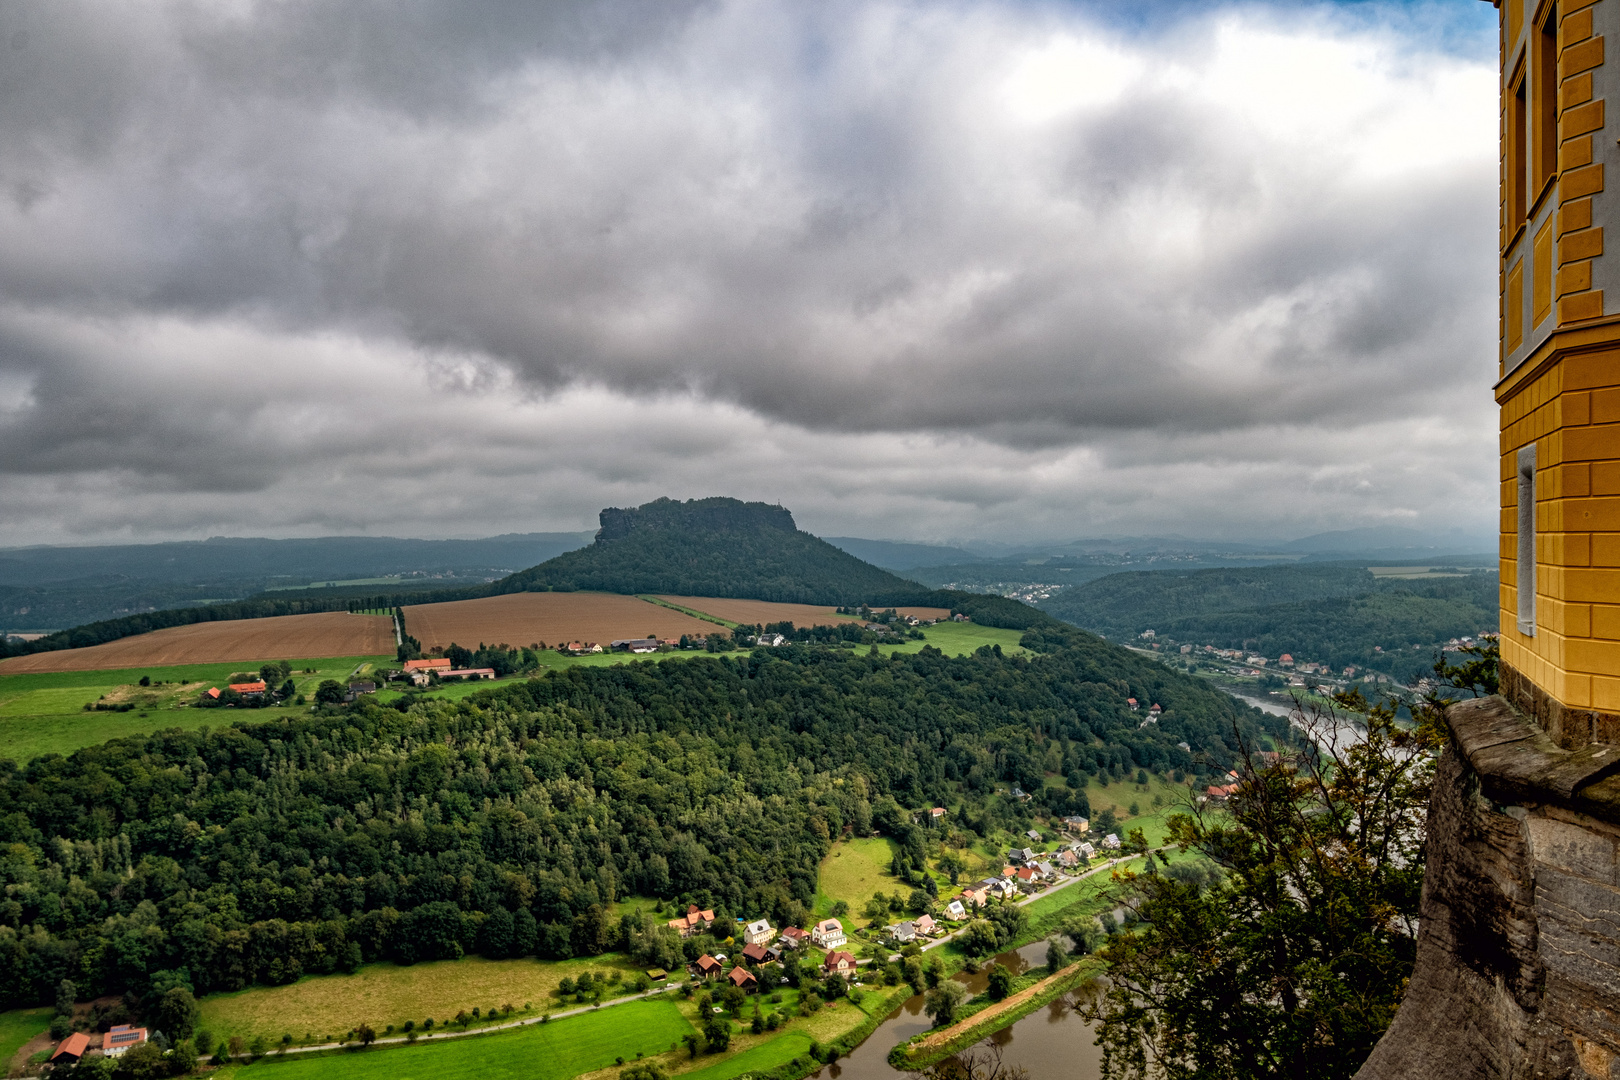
1050,1042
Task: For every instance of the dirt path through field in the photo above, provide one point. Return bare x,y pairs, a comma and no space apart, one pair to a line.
945,1035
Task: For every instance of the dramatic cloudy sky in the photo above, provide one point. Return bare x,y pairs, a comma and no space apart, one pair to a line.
931,270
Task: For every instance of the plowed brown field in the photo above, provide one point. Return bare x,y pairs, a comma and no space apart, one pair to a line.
284,637
760,612
521,619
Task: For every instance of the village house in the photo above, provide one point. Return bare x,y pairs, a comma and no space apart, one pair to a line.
756,953
1045,870
828,934
1154,712
364,686
1220,792
926,925
71,1049
743,980
955,910
1020,855
936,814
120,1038
1068,858
693,922
582,648
427,664
250,689
706,967
1111,842
1026,875
905,933
839,963
793,937
468,674
758,933
771,641
635,645
1132,703
1033,835
1088,851
1077,825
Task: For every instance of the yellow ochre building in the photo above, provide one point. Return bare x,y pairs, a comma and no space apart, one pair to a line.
1559,376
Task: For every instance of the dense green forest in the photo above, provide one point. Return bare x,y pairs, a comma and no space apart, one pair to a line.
1329,613
506,822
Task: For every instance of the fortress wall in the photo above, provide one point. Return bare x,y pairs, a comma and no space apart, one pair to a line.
1518,962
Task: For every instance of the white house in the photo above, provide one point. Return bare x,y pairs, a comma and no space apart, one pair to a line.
955,910
120,1038
828,934
1087,850
905,933
758,933
1111,842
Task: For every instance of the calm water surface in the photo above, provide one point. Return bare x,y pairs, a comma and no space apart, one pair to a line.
1050,1042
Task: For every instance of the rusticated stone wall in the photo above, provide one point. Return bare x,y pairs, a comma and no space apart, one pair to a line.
1518,961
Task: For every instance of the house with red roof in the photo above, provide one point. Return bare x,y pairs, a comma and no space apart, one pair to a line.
839,963
71,1049
120,1038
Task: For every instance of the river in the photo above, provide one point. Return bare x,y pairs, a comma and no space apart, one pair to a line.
1050,1042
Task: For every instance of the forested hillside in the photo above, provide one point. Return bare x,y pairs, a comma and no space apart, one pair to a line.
714,547
505,823
1335,614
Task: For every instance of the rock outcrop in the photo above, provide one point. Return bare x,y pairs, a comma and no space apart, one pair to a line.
1518,960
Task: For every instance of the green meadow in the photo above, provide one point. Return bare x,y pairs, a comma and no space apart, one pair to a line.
553,1051
42,713
17,1027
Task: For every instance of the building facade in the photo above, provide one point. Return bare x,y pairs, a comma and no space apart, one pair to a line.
1559,373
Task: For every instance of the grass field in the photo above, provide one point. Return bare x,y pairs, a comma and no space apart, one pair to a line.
762,1058
555,1051
17,1027
44,712
331,633
852,872
959,639
383,994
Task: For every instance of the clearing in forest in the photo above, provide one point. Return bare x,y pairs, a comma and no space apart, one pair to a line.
281,637
854,871
551,618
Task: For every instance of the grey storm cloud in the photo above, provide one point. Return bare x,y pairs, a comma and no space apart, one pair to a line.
897,264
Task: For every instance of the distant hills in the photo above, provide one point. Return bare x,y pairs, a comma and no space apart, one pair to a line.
1333,613
43,588
900,556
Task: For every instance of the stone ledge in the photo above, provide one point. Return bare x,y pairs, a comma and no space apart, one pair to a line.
1514,757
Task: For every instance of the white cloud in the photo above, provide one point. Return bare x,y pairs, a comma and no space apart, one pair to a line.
931,270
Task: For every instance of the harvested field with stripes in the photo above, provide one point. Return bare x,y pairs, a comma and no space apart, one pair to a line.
283,637
760,612
548,618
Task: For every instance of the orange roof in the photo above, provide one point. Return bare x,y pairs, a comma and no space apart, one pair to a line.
427,665
213,692
75,1044
249,687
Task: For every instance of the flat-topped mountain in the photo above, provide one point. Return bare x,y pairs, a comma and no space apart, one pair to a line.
716,547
